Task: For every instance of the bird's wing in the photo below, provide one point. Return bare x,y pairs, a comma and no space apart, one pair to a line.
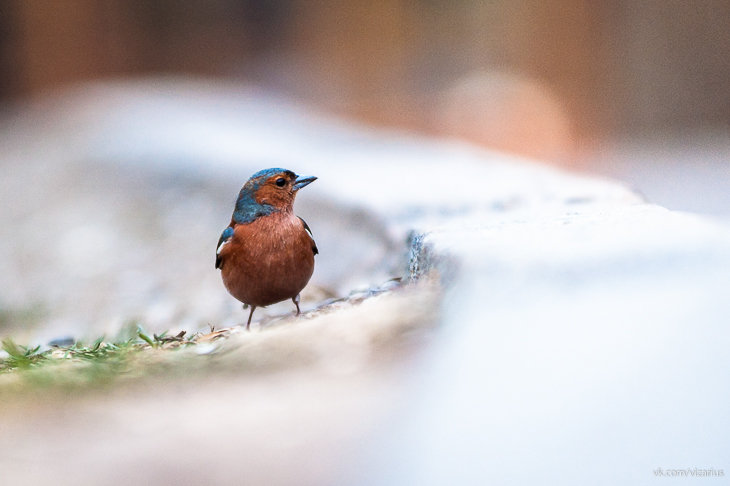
225,238
306,227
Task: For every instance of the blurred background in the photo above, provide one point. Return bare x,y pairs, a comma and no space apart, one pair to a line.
635,90
552,81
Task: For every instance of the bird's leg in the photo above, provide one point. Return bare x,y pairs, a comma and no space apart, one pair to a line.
248,324
296,303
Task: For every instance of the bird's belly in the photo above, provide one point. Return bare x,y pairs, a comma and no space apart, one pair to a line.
266,270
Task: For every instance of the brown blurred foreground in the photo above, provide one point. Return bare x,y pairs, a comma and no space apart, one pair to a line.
526,77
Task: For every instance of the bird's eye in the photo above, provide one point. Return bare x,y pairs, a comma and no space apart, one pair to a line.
281,182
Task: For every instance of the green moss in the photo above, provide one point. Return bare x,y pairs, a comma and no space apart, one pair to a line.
80,364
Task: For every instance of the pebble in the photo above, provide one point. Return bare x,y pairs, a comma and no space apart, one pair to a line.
206,348
65,342
390,284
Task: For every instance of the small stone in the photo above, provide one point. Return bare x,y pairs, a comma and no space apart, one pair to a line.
207,348
390,284
64,342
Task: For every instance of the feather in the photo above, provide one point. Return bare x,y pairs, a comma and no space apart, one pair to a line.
308,230
225,238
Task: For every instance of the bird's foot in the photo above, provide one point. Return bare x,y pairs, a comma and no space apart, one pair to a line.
248,324
296,303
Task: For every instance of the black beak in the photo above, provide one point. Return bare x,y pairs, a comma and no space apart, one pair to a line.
302,181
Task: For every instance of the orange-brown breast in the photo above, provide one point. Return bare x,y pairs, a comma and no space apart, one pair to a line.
268,260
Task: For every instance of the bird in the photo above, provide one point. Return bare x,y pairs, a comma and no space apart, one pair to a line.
266,254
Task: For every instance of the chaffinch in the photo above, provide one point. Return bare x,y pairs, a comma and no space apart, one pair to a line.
266,254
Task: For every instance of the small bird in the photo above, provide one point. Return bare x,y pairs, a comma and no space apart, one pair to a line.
266,254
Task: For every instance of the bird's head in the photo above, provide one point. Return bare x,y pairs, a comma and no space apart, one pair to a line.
268,191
